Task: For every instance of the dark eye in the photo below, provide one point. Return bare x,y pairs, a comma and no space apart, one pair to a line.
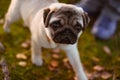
78,27
55,25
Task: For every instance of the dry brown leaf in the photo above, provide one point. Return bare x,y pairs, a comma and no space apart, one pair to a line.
66,63
21,56
54,63
56,56
26,44
65,60
107,50
96,74
95,59
56,50
75,78
90,75
51,68
98,68
106,75
22,63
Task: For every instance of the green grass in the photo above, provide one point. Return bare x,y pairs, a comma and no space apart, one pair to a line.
88,46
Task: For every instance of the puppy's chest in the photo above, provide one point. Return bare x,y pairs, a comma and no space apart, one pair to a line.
47,45
44,42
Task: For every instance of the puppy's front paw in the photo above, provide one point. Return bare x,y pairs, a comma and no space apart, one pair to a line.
37,61
6,28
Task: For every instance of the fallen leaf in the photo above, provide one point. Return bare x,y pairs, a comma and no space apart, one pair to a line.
66,63
98,68
107,50
21,56
89,75
106,75
54,63
56,50
96,74
95,59
65,60
26,44
22,63
56,56
51,68
75,78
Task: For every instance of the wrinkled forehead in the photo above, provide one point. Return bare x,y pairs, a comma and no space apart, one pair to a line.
67,15
67,11
69,6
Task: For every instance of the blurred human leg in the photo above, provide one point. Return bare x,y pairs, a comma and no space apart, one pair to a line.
92,7
105,26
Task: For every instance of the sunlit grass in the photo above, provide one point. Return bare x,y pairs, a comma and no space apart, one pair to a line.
88,46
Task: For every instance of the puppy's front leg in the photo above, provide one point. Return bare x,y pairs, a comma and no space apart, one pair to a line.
36,53
73,56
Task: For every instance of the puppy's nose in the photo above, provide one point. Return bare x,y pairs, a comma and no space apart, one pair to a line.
67,32
66,40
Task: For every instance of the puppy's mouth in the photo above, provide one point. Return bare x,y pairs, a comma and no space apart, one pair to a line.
65,37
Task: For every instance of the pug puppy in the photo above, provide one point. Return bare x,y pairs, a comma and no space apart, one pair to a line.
55,25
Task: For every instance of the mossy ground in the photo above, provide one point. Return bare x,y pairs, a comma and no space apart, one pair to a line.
88,46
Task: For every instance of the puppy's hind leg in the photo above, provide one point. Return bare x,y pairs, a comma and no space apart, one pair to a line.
12,15
36,53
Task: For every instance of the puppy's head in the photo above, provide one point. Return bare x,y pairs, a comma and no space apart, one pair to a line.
64,23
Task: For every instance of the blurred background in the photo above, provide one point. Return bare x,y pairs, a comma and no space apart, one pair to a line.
100,58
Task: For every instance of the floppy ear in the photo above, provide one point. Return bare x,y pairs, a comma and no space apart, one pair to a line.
86,19
47,15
